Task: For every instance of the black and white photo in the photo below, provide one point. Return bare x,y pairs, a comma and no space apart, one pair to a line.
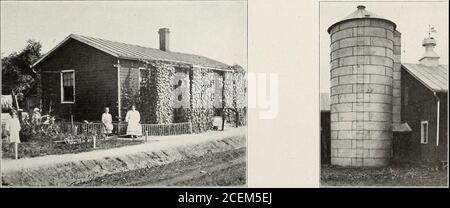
384,92
127,93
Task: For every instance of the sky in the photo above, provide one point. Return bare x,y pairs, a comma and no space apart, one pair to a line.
216,30
412,20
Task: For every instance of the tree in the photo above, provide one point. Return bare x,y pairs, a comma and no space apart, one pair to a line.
237,68
17,75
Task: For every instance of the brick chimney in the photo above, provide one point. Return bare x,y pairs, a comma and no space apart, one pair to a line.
429,58
164,39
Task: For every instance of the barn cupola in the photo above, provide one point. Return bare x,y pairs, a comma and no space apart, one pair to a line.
164,39
429,58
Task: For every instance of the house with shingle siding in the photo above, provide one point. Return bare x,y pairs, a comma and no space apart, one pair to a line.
82,75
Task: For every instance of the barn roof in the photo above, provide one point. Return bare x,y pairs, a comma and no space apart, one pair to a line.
135,52
324,102
434,78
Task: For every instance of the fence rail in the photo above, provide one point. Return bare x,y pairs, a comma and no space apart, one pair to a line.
121,129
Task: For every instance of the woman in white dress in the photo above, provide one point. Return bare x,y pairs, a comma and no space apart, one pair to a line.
107,122
133,118
12,127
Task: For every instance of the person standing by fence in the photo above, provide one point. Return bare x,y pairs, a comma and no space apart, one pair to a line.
36,119
107,122
13,130
133,118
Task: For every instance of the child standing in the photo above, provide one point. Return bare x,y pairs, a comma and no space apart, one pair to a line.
13,129
107,122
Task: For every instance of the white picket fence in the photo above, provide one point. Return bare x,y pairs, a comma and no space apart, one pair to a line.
120,129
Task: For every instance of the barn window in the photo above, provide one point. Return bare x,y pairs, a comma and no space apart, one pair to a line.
67,86
424,132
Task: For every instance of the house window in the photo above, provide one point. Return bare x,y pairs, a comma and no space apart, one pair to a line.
67,86
144,74
424,132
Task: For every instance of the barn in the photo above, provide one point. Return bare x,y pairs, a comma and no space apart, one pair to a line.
82,75
424,107
325,128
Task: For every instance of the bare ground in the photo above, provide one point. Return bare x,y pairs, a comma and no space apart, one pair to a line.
394,175
226,168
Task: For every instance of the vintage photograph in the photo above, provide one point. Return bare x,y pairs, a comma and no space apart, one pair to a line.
127,93
383,93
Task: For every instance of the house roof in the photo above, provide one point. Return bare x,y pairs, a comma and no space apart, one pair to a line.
434,78
324,102
135,52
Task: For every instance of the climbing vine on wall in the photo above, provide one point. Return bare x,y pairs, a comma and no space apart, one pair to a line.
181,96
202,106
235,95
129,95
161,90
169,94
147,115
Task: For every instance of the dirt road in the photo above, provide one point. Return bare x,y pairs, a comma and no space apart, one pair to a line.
213,169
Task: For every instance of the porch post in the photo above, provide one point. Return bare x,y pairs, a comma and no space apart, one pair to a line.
119,98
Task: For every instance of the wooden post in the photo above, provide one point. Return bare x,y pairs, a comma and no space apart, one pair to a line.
71,121
49,107
237,118
119,128
16,151
146,136
119,98
15,100
223,119
94,141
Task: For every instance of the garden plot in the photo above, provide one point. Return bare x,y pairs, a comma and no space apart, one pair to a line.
56,146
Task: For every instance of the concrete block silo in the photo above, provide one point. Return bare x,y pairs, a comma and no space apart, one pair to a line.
362,66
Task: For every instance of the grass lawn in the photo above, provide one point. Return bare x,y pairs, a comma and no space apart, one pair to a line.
394,175
47,146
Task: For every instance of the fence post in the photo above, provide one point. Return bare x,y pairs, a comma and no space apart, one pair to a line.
119,125
146,136
94,141
71,121
223,119
16,152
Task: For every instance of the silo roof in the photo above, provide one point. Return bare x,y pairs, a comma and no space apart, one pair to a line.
361,13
